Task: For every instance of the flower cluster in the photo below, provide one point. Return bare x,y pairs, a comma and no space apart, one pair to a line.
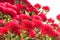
22,21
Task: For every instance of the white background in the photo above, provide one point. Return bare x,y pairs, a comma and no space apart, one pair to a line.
53,4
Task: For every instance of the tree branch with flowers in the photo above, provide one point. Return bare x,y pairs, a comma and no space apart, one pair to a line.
20,20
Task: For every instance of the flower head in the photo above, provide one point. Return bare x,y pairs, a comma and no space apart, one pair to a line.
32,33
43,16
50,20
37,6
46,8
58,17
26,25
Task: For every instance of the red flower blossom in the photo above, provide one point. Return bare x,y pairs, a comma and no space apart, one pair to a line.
2,4
9,1
43,16
10,6
36,23
58,17
46,29
11,12
50,20
29,9
26,25
13,26
1,21
55,25
19,6
36,17
3,9
55,34
46,8
3,30
27,3
31,33
58,30
35,10
19,12
16,17
24,16
37,6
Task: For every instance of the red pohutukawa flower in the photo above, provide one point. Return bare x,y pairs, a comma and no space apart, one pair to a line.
24,16
10,6
36,17
50,20
13,25
29,9
37,23
27,3
48,29
1,21
9,1
3,30
26,25
43,16
46,8
31,33
58,17
37,6
55,25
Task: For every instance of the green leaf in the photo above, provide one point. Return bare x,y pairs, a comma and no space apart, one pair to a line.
16,38
6,36
23,35
41,38
48,38
28,38
52,38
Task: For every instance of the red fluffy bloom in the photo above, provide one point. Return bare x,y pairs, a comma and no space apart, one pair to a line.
37,6
55,25
58,17
1,21
10,5
31,33
46,29
27,3
43,16
24,16
58,30
16,17
3,4
29,9
35,10
36,17
3,30
50,20
13,26
9,1
46,8
11,12
26,25
36,23
3,9
55,34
